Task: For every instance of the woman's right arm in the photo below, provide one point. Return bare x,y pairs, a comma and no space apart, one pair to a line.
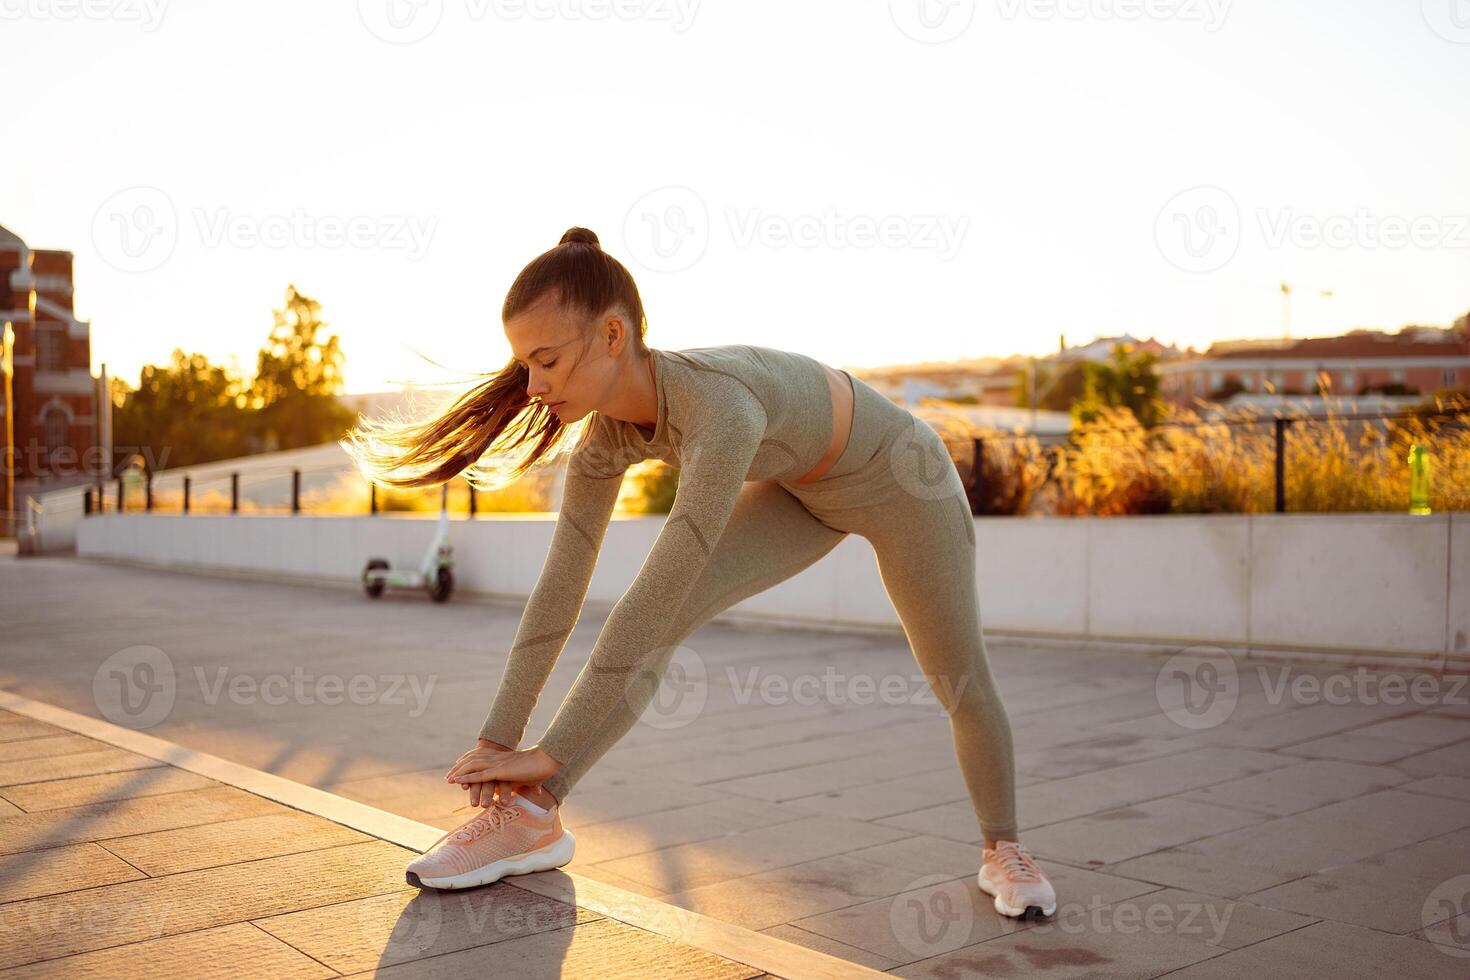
588,498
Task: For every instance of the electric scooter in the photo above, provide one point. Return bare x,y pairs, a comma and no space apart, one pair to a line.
435,573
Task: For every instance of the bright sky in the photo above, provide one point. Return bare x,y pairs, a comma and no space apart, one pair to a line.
867,182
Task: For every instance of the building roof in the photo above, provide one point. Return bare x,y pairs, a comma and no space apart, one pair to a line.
1351,345
9,240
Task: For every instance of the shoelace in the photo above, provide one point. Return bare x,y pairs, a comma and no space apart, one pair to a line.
493,818
1017,862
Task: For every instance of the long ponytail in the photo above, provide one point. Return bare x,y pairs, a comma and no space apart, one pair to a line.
494,418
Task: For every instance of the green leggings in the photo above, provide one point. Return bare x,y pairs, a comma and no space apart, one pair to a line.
895,486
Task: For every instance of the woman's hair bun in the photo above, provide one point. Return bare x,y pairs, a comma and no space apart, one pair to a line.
579,235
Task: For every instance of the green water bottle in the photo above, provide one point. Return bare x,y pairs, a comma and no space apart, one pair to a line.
1418,480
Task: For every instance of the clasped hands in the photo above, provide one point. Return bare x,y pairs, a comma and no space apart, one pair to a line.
491,771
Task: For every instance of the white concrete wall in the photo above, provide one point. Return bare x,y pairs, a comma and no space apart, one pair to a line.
1356,585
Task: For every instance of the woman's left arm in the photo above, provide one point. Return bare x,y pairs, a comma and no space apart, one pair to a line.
715,458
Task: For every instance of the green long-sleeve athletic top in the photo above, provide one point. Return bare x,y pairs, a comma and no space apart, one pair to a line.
725,415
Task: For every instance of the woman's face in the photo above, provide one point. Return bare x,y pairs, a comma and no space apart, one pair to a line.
566,374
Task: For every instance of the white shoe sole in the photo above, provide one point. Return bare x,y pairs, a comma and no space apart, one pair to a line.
553,855
1004,909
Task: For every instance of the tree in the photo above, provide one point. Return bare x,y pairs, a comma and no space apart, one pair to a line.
188,411
297,380
1059,391
1126,380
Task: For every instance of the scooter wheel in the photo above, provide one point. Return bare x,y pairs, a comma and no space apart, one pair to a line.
443,585
373,587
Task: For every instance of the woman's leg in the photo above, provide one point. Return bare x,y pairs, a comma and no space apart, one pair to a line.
769,538
923,533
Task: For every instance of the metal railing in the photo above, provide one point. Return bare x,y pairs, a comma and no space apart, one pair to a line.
1281,425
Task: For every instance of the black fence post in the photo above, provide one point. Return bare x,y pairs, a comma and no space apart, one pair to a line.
186,495
87,501
472,500
148,491
977,481
119,495
372,497
295,491
234,493
1281,425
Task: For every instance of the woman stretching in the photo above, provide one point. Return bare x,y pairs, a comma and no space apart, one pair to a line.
780,457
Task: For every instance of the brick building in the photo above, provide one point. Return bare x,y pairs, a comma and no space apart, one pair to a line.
53,391
1414,361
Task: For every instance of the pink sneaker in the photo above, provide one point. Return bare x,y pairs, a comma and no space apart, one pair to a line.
499,840
1011,874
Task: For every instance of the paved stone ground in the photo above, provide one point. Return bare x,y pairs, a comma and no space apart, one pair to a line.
113,864
1302,835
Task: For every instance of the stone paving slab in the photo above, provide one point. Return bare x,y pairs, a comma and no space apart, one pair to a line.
1324,837
220,881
